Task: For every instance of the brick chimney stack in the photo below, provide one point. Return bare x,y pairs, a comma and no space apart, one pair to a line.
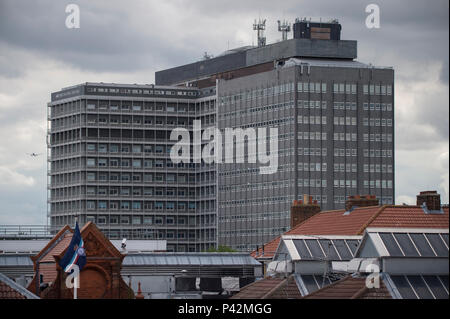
361,201
139,294
302,210
431,198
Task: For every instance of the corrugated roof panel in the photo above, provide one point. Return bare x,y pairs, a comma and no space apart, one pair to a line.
190,259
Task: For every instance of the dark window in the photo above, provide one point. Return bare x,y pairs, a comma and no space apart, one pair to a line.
310,283
342,249
420,287
314,247
390,244
403,287
329,249
436,287
353,245
406,245
302,249
438,245
422,244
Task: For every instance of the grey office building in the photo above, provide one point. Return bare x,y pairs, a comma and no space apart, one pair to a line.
109,162
335,121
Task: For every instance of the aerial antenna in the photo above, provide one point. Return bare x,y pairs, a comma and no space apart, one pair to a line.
260,26
284,28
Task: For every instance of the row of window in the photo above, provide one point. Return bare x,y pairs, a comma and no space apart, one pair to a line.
345,137
345,183
377,153
270,123
128,148
138,191
377,168
147,177
312,183
254,170
255,186
377,107
312,119
256,201
124,91
257,93
248,216
377,183
377,137
314,136
312,167
252,232
135,205
345,167
345,152
377,122
383,200
259,109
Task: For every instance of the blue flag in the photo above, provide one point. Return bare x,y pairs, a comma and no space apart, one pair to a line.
75,254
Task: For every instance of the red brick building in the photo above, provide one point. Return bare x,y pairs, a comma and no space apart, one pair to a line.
100,278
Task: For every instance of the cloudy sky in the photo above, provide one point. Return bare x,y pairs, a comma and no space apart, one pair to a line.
127,41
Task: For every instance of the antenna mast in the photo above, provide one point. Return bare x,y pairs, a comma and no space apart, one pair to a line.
284,28
260,26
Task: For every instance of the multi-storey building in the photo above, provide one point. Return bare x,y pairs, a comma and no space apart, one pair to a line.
335,120
109,163
334,115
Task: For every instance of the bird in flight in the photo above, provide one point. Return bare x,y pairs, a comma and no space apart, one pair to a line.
34,154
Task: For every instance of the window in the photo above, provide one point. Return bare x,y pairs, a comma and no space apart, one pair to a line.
90,162
90,205
137,163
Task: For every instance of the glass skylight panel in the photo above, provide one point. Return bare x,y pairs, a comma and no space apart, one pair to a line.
302,249
404,287
353,245
329,249
321,281
391,245
315,249
420,287
444,280
445,237
407,246
310,283
436,287
438,244
422,245
342,249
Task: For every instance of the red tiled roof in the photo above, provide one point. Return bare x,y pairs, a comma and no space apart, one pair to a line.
410,217
270,287
58,249
6,292
350,288
334,222
9,289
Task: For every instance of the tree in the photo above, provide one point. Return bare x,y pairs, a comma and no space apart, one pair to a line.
221,249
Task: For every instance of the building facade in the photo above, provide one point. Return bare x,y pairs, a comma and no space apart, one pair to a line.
335,122
109,163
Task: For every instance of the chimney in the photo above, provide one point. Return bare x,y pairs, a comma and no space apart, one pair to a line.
361,201
302,210
139,294
431,198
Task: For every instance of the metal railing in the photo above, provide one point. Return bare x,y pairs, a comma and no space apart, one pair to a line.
27,231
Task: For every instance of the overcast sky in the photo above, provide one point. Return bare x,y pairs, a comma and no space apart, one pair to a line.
127,41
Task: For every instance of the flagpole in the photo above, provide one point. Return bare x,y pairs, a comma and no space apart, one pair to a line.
75,286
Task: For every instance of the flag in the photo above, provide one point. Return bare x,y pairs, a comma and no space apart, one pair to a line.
75,254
